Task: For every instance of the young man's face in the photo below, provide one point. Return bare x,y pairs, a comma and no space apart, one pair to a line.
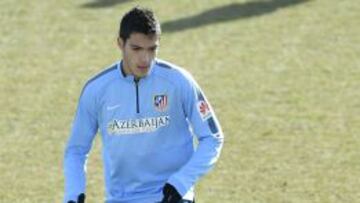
138,51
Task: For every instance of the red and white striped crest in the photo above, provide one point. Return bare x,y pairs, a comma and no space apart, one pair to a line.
160,102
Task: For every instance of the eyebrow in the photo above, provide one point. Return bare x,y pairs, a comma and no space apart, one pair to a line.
136,46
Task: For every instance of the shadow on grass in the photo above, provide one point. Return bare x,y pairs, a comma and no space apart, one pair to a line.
103,3
230,12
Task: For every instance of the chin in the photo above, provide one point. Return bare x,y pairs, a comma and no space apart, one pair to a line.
141,75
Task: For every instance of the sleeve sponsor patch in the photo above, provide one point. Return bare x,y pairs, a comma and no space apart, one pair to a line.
204,110
212,126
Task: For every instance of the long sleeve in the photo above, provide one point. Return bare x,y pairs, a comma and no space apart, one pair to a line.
209,134
78,146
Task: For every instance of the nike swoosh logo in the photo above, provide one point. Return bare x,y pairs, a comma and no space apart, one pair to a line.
109,108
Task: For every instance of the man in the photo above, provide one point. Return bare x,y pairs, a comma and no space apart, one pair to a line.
147,111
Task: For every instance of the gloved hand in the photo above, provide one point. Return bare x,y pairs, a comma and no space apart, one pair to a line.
171,195
81,199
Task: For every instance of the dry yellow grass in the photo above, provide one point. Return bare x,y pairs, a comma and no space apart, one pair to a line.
283,77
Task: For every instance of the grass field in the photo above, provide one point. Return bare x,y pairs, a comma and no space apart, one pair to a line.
282,75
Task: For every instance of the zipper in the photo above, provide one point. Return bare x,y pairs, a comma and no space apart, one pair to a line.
137,95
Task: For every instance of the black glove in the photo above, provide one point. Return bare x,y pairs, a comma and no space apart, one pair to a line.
171,195
81,199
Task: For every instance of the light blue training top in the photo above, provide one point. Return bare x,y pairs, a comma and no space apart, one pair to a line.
147,129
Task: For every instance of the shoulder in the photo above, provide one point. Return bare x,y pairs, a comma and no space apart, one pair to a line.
172,72
101,79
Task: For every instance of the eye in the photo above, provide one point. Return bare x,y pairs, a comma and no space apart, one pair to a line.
136,48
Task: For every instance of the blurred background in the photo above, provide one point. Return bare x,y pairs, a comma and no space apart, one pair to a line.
282,75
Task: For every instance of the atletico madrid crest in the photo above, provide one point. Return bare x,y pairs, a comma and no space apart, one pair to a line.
161,102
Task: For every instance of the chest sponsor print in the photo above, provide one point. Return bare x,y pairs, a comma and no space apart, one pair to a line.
134,126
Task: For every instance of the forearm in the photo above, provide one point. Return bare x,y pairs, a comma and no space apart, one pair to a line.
74,172
201,162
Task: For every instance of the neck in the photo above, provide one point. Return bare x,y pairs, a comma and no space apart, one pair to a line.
125,68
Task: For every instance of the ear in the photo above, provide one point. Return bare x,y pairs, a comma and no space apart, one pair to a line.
120,43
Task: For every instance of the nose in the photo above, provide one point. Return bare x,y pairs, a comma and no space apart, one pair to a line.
145,58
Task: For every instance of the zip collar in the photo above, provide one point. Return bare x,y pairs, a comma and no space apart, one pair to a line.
130,78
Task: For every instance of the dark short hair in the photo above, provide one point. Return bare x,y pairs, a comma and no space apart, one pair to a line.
140,20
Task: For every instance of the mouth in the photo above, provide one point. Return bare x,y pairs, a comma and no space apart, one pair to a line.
143,68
